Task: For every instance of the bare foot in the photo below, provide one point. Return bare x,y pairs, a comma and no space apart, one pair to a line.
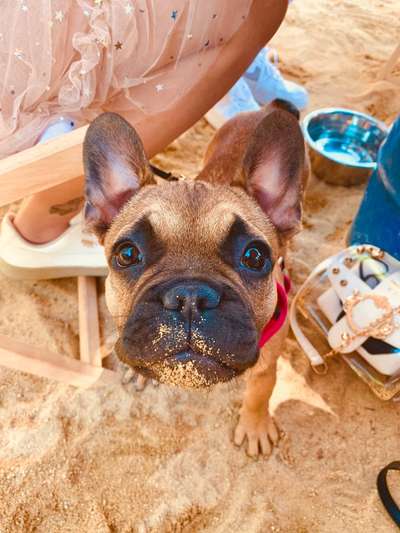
260,430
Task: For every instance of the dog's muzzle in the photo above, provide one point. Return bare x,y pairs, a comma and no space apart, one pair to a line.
190,332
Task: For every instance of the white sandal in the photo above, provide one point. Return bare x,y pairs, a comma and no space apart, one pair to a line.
71,254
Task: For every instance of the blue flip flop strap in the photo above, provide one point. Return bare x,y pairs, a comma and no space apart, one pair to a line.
384,492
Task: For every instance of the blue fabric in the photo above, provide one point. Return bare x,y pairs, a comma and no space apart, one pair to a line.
378,219
57,128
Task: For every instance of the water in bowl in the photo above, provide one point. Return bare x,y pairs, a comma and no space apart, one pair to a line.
343,152
345,137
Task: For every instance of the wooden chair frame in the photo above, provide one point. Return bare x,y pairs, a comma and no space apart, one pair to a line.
36,169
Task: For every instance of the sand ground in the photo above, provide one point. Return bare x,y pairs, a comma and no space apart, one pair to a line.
113,460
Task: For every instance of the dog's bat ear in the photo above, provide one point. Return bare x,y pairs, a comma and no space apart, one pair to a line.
274,169
115,166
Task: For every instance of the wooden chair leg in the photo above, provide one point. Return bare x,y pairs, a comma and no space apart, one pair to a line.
89,335
38,361
43,166
41,362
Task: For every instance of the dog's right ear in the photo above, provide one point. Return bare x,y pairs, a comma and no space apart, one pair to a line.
115,166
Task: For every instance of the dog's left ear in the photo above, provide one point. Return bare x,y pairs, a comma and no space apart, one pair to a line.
116,167
273,170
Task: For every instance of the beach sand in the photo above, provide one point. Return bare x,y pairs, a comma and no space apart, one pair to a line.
114,460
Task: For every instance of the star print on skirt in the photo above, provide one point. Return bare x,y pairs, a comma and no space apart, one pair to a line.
80,58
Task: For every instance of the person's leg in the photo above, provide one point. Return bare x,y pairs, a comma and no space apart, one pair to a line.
45,215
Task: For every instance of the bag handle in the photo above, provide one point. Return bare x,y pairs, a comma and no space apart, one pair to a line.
384,492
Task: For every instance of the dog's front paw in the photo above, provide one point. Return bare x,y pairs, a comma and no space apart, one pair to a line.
139,381
259,430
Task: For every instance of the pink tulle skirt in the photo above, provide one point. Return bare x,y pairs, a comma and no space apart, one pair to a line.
77,58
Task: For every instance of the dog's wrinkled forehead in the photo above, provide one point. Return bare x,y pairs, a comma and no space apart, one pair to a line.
258,168
190,212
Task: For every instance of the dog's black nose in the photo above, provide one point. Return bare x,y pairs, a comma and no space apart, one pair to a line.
191,298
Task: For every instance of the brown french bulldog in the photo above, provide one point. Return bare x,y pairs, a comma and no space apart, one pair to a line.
194,263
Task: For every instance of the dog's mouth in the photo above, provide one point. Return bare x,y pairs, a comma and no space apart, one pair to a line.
189,369
196,346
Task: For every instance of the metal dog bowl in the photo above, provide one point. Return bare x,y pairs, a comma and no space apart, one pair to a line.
343,144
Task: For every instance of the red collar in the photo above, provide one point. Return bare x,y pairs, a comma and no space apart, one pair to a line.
280,313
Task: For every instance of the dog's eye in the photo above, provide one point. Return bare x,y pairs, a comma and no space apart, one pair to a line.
127,255
255,256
